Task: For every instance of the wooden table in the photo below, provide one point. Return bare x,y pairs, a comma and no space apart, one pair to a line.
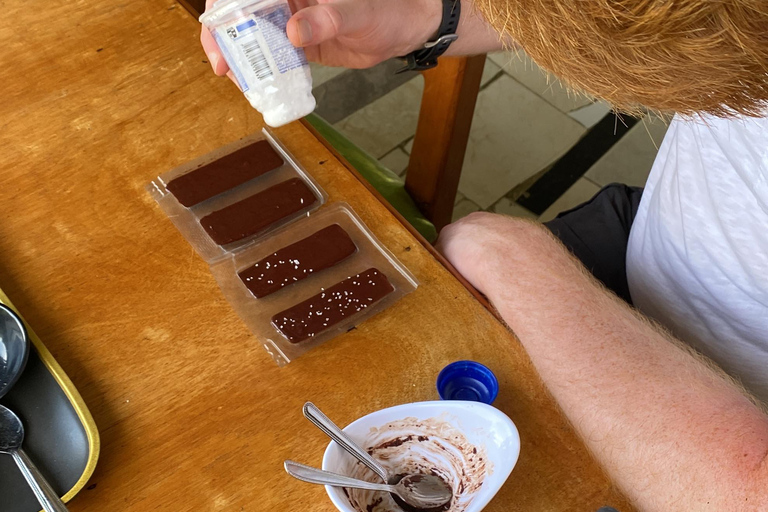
98,98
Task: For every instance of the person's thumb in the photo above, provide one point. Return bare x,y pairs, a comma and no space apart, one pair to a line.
318,23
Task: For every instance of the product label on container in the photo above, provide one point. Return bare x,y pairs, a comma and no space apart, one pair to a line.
241,82
263,42
272,23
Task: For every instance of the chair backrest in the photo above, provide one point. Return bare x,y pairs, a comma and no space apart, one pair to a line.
445,118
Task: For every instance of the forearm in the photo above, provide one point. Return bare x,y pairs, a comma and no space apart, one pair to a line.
672,432
475,35
670,429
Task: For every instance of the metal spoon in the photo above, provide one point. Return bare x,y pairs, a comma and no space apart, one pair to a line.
11,437
14,350
321,421
422,492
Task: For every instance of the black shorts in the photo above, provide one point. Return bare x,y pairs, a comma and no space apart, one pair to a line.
597,233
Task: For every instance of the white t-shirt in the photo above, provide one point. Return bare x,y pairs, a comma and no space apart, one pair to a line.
697,259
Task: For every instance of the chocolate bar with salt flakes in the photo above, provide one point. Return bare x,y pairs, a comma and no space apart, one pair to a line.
225,173
256,213
329,307
298,261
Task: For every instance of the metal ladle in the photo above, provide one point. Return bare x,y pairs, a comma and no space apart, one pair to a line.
14,351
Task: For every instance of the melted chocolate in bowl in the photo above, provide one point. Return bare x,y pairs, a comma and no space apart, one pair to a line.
430,446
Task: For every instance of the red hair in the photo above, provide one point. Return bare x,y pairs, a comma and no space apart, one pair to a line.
683,56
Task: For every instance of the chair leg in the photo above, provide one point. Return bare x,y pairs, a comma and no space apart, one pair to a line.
447,107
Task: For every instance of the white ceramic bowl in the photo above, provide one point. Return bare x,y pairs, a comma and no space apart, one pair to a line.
485,427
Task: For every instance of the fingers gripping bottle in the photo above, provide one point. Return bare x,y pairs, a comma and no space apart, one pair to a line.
272,73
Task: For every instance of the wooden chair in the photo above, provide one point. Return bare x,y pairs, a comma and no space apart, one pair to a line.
445,118
434,168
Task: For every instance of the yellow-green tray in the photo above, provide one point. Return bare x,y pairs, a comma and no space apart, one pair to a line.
60,435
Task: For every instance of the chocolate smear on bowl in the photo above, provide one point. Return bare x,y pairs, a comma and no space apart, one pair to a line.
420,446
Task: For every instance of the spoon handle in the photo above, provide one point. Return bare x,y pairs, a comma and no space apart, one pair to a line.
319,476
45,494
322,422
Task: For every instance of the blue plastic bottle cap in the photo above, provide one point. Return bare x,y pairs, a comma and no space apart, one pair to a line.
467,380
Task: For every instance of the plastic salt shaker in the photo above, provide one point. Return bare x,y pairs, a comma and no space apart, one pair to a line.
271,72
467,380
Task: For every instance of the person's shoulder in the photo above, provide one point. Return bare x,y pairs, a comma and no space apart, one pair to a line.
715,122
740,130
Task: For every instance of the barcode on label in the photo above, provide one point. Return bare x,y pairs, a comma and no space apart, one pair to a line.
256,59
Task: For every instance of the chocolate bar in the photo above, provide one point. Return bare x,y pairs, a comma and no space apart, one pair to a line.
225,173
297,261
324,310
256,213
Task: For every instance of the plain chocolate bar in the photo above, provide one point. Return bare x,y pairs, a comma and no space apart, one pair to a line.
225,173
316,314
256,213
297,261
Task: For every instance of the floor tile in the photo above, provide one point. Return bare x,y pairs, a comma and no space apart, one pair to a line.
514,135
590,115
581,191
408,146
459,198
354,89
321,74
506,206
464,208
396,161
629,161
490,70
520,67
387,122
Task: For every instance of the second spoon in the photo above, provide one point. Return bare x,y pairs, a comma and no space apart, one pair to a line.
321,421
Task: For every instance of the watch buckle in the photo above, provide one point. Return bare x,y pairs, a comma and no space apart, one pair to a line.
440,40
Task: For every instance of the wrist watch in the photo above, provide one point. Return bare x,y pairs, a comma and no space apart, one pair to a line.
426,58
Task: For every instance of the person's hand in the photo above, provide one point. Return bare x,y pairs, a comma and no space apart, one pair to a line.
212,50
351,33
362,33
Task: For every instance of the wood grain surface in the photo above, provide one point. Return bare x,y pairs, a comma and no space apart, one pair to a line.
100,97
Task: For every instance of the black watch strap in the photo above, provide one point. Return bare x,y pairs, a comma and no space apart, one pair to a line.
426,58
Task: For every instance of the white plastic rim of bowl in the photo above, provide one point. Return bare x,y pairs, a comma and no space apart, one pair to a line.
480,423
